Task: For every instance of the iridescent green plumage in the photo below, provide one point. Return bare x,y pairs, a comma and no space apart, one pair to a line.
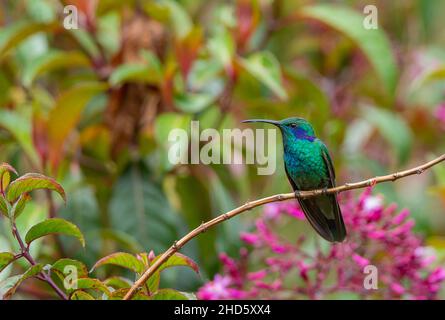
308,167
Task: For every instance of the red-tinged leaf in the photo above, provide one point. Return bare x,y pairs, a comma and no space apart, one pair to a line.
81,295
5,170
40,135
186,50
5,259
118,282
54,226
168,294
176,260
87,8
121,259
63,267
167,83
17,280
64,117
30,182
92,284
248,14
120,294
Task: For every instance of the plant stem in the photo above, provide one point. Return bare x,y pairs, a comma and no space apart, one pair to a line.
177,245
43,275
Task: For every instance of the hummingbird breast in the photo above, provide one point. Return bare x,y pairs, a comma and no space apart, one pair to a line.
305,165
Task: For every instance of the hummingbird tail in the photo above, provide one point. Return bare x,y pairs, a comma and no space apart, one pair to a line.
323,213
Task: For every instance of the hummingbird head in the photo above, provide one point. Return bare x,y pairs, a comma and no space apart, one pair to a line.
291,128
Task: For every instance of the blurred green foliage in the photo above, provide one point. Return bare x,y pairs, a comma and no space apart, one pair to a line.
93,107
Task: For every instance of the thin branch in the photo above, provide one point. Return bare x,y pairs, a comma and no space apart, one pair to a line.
177,245
42,275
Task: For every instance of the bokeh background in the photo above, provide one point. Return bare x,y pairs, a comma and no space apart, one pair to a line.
93,107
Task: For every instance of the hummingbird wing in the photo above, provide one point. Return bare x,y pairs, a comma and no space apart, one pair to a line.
339,230
323,212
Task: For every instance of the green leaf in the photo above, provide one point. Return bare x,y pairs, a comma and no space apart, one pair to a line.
20,205
153,282
167,122
5,259
59,267
187,187
64,117
121,259
120,294
52,61
266,69
81,295
54,226
41,11
11,36
373,42
122,239
30,182
92,284
431,76
168,294
177,16
134,72
140,207
176,260
222,47
5,177
3,207
20,129
118,282
193,102
86,41
17,280
393,128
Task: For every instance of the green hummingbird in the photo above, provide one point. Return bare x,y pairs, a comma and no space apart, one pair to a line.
309,166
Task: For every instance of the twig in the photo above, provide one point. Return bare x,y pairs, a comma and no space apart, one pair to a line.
42,275
177,245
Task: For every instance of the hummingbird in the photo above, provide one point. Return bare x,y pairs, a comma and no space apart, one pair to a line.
309,166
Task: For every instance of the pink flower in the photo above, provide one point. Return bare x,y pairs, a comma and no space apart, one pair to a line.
376,232
216,289
398,219
397,288
272,210
438,275
257,275
296,212
250,238
361,262
276,209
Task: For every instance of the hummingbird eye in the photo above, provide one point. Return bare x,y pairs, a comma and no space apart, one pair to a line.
293,125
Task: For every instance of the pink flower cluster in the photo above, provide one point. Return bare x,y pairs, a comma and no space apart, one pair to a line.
280,265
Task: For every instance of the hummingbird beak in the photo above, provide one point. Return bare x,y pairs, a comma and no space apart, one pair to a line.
276,123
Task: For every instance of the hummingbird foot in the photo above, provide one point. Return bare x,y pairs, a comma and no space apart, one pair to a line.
324,191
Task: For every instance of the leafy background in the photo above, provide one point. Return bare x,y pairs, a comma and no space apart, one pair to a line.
93,108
